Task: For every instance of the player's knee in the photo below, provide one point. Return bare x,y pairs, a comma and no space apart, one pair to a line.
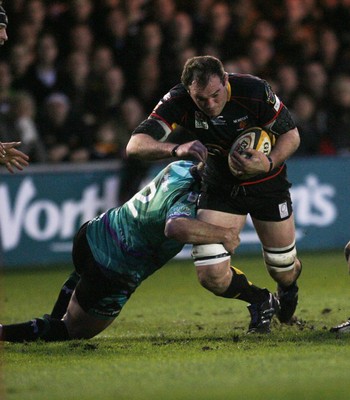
213,279
213,263
282,263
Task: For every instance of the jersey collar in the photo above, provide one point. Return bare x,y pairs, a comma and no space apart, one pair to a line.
229,90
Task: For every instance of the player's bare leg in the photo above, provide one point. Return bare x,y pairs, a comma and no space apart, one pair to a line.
283,265
223,280
81,325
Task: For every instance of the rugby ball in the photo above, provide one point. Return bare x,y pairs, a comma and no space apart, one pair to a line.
252,138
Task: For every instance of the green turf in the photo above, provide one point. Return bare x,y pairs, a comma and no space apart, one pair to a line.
174,340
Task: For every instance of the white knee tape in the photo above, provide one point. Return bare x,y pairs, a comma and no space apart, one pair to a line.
280,259
209,254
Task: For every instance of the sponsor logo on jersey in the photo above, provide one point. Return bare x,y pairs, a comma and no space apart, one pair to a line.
241,122
219,120
200,121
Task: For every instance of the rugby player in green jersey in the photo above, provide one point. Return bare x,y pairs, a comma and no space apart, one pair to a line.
116,251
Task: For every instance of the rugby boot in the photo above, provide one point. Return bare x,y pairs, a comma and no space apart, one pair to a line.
342,328
261,314
288,299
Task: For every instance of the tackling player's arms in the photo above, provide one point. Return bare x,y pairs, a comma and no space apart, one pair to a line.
193,231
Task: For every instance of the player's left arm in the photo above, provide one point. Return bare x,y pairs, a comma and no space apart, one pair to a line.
282,126
258,162
285,146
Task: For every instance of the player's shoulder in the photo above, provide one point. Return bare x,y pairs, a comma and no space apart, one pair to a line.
178,92
176,174
246,84
245,79
175,100
181,168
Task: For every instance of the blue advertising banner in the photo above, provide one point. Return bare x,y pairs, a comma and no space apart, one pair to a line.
41,208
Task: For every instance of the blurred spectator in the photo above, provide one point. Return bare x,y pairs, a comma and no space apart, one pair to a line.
315,80
134,171
21,58
21,127
265,29
65,135
337,14
261,53
81,12
239,65
75,81
328,49
35,13
105,143
135,14
200,12
104,102
221,30
117,37
81,38
102,61
304,110
5,88
181,35
148,83
339,115
288,82
246,15
26,35
181,32
298,35
113,134
42,77
163,11
75,13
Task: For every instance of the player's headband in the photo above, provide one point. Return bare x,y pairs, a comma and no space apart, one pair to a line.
3,17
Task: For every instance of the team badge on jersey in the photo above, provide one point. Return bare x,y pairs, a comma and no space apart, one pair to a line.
272,98
192,197
200,121
283,208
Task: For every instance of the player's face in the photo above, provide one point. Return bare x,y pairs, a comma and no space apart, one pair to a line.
212,98
3,34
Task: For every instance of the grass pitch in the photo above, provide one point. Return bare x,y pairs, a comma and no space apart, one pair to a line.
174,340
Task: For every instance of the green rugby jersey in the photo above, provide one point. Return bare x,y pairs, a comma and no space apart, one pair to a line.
129,240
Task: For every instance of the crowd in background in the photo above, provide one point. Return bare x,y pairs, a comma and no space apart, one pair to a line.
77,76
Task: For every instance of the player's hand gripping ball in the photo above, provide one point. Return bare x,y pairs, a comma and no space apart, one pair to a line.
252,138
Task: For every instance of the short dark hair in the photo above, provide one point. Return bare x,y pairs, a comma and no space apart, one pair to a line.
200,69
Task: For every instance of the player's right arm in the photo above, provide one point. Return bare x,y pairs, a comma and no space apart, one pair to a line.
193,231
145,147
149,141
